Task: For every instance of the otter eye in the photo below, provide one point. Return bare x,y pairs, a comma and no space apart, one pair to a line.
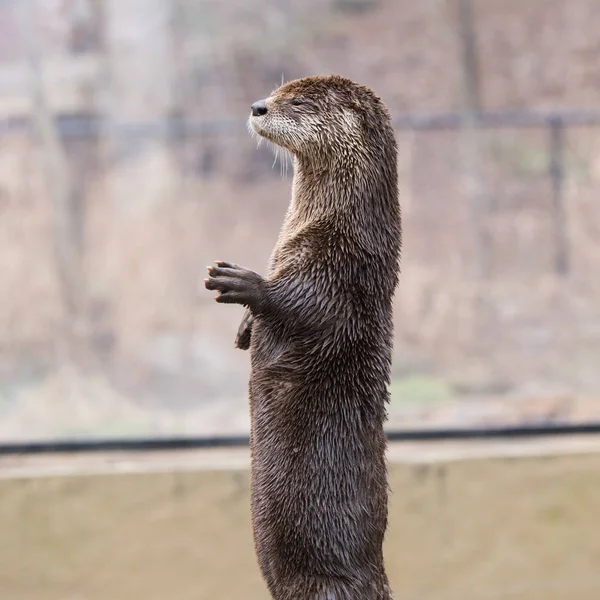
298,101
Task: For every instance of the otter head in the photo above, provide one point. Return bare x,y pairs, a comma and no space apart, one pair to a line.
322,117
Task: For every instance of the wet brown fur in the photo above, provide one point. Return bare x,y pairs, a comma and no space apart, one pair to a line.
319,328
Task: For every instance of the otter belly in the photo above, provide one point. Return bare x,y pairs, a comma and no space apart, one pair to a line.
319,495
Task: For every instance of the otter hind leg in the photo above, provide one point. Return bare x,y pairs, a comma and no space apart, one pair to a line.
350,593
333,589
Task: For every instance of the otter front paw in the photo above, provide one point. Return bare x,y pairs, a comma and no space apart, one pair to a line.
235,284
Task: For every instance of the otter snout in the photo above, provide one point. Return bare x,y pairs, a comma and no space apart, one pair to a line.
259,108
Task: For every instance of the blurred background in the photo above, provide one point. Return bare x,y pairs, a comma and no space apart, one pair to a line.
126,167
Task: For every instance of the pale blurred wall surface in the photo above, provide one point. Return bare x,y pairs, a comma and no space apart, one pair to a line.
104,327
506,527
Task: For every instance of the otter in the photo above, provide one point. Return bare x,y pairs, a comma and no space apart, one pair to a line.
319,329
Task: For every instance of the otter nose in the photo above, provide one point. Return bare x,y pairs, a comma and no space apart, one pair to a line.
259,108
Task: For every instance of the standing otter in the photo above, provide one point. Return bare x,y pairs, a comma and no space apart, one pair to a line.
319,328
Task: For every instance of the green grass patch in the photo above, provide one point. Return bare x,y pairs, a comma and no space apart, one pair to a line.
420,388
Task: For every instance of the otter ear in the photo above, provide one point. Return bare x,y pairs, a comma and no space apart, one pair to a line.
355,104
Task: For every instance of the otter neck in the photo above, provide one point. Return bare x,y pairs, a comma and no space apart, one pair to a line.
324,188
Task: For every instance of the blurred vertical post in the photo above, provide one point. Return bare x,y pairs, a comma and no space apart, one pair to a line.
471,147
67,199
556,172
139,90
140,178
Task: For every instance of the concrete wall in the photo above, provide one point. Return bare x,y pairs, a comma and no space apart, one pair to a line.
524,526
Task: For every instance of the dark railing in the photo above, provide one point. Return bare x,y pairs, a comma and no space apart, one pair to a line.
188,443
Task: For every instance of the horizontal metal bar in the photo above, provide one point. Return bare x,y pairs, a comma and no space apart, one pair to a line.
121,444
83,126
497,119
182,443
512,431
